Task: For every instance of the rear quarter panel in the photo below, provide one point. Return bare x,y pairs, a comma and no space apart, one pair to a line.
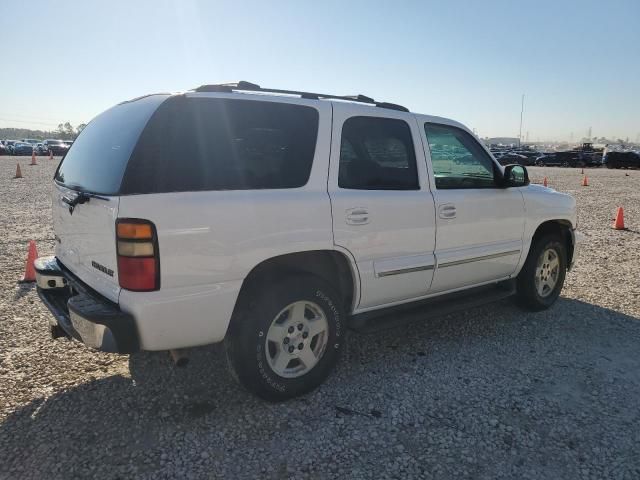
209,241
211,237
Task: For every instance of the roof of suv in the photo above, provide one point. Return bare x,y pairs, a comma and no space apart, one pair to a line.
243,86
253,90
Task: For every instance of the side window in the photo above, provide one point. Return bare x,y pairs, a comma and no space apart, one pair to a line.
457,158
377,154
219,144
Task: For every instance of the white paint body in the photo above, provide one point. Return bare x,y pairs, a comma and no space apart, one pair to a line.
210,241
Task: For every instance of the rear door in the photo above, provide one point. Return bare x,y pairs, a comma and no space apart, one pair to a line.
382,208
85,234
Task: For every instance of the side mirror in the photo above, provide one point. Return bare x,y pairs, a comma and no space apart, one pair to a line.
515,176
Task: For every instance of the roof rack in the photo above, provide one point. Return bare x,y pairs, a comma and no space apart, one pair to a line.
252,87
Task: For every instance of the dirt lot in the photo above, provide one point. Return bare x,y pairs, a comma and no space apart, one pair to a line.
490,393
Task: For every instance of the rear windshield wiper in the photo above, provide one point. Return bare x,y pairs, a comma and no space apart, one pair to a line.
80,198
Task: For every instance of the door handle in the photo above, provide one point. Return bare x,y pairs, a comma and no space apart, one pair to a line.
357,216
447,211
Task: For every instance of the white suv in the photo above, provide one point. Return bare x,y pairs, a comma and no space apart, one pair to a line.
274,220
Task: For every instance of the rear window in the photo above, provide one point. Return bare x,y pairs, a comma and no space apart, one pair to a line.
98,157
195,144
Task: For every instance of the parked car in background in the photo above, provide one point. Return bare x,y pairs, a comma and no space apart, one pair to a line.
549,160
57,147
32,141
3,149
532,154
9,144
22,148
511,157
40,149
68,143
622,160
560,159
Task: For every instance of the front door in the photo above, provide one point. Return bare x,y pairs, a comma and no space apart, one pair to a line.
382,208
479,224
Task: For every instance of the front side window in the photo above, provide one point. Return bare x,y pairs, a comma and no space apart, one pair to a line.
458,159
377,154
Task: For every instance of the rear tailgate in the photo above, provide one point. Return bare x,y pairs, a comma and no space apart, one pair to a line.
86,242
94,166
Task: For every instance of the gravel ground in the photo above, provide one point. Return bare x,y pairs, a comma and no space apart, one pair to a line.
489,393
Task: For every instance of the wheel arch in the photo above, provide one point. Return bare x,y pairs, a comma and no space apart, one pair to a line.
333,266
562,227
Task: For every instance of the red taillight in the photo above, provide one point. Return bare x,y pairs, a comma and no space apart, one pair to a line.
138,255
137,273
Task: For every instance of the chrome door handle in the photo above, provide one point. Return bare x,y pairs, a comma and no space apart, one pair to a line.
447,211
357,216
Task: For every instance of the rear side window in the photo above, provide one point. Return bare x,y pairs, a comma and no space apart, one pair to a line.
221,144
377,154
98,158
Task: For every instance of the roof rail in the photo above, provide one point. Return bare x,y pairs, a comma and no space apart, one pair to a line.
252,87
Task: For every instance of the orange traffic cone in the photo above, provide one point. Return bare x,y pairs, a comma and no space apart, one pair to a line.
18,171
30,271
50,155
33,158
585,181
619,222
544,182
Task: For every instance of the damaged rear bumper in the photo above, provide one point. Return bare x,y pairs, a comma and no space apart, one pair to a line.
81,313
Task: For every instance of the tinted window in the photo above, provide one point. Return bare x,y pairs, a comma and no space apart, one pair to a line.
97,159
377,154
218,144
458,159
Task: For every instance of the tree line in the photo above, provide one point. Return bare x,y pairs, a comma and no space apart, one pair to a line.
65,131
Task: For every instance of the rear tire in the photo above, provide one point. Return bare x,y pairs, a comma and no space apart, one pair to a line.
542,276
286,336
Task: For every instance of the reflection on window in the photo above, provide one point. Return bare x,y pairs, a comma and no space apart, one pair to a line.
457,158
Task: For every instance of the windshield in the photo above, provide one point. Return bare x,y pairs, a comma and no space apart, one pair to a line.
97,159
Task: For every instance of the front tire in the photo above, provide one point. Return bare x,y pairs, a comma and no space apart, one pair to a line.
286,336
542,276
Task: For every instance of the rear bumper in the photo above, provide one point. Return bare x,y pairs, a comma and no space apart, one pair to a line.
82,313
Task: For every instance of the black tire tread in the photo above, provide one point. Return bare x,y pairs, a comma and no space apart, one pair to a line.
527,295
248,319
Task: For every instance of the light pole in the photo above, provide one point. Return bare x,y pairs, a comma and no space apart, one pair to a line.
521,112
